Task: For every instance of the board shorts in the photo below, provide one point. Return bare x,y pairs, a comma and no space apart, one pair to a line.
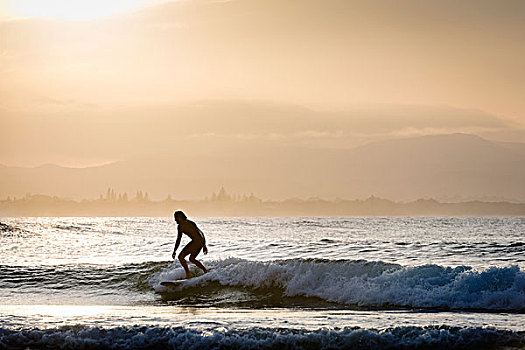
194,248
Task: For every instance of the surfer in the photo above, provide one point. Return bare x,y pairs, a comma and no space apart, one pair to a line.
193,248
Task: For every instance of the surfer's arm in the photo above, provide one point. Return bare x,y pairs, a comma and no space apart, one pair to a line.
204,248
177,243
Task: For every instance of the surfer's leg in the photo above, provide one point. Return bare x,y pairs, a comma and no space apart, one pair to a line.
183,262
198,263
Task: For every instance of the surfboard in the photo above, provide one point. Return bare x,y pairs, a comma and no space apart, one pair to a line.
175,283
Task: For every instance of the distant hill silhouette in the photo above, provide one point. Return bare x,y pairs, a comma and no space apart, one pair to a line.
225,204
456,166
464,166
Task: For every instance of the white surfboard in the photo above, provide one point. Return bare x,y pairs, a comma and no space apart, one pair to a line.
175,283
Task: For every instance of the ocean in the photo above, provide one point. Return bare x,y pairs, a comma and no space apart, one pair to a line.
284,283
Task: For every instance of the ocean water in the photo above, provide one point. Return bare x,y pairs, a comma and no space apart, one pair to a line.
293,283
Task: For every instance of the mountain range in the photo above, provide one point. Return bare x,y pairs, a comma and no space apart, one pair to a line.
446,167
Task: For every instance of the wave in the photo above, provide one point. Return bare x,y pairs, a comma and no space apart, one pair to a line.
305,283
143,337
74,276
9,230
359,284
5,228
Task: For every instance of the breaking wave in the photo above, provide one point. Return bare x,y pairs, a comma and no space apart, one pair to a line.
358,284
143,337
308,283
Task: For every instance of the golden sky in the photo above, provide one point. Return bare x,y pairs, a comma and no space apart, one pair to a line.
86,82
68,9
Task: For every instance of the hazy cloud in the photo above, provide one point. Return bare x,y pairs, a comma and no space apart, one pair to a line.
341,73
92,132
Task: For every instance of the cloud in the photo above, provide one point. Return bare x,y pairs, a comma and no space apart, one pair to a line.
122,86
212,127
327,53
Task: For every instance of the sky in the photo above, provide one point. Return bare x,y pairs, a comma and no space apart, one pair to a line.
90,82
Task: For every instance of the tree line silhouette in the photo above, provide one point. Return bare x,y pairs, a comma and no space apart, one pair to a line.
223,203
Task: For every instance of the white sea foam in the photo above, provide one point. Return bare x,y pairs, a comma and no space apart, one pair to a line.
368,284
441,337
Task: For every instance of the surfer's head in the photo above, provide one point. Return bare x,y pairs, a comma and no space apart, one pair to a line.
179,216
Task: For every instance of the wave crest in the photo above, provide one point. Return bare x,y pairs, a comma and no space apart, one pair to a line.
261,338
365,284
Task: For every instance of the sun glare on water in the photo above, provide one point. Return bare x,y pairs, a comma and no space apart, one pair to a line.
69,9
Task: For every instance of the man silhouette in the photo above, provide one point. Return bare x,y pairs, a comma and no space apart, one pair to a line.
193,248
